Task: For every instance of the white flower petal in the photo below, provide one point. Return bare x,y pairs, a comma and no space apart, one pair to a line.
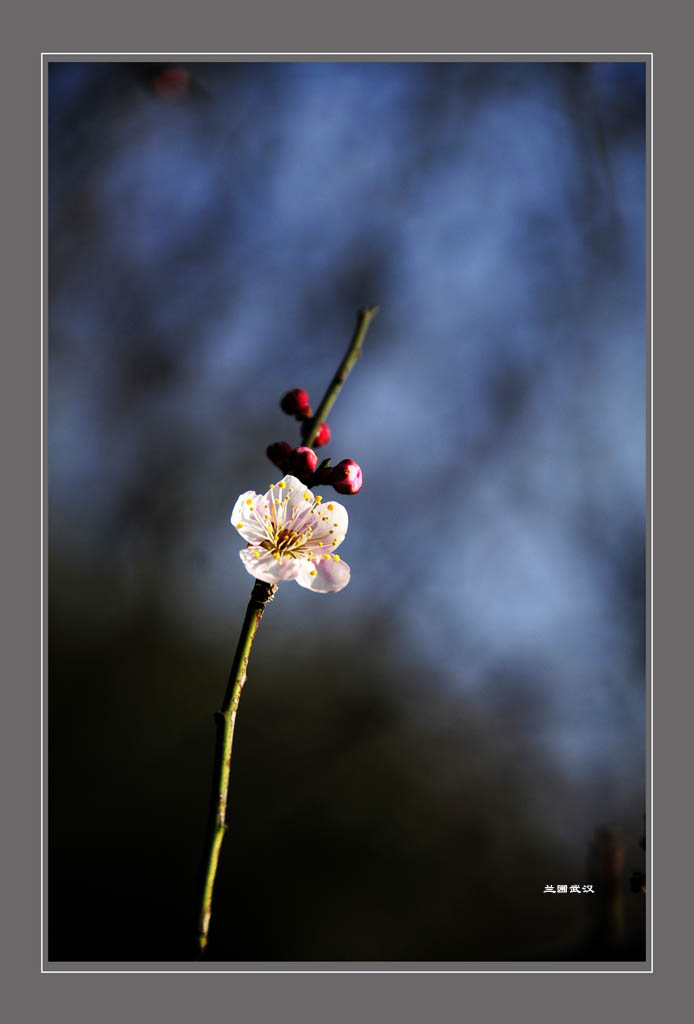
291,502
295,490
330,523
247,517
283,502
324,576
268,568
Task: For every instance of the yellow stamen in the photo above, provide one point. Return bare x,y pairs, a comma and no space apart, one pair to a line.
330,506
313,572
239,525
336,558
281,484
319,498
256,554
249,501
307,496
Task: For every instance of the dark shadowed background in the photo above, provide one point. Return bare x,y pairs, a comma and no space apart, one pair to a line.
418,756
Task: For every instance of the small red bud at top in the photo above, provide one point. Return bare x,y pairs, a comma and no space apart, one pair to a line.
302,462
171,83
346,477
295,401
278,453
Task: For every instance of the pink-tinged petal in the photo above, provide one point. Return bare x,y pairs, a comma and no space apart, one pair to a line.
267,568
298,504
330,523
241,506
324,576
295,490
285,501
247,517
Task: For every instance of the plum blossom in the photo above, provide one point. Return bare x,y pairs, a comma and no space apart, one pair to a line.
291,534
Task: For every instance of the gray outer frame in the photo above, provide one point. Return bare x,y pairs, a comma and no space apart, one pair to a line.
342,967
82,997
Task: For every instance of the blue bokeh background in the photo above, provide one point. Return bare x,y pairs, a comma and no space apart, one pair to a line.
211,235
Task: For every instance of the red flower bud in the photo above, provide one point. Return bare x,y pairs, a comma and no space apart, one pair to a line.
278,453
323,436
305,413
295,401
302,462
346,477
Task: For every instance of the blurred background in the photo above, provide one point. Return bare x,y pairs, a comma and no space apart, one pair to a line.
418,756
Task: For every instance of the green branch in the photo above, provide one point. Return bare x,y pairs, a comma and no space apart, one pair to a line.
225,720
364,318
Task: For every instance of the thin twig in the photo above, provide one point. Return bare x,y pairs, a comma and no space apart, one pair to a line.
225,720
364,318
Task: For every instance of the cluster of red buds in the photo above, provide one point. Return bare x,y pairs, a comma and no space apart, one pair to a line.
302,462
